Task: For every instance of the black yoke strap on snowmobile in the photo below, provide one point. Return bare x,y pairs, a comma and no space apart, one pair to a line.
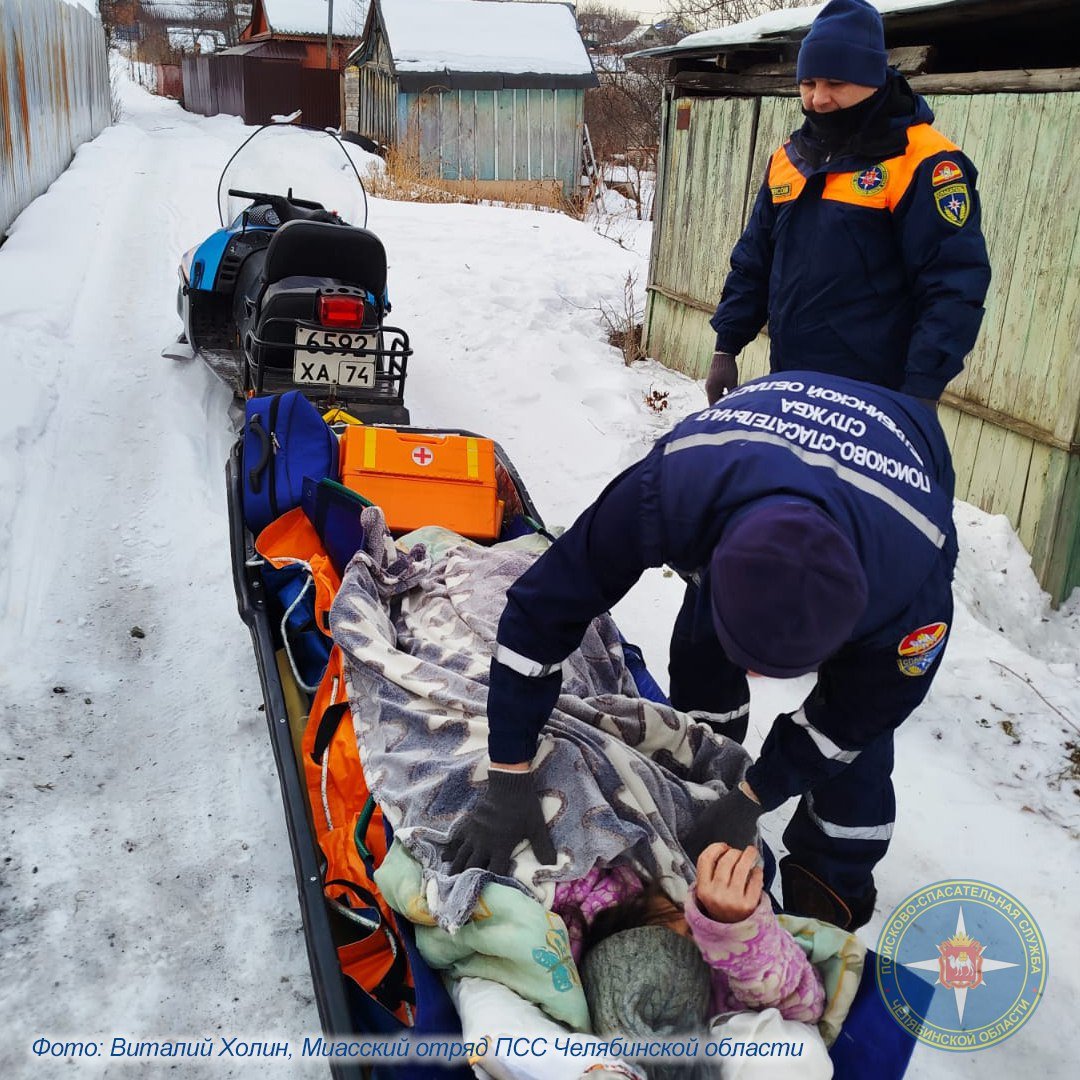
328,726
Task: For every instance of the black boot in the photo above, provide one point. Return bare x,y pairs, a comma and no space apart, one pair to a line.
806,894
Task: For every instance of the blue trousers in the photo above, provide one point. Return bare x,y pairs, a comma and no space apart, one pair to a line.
842,826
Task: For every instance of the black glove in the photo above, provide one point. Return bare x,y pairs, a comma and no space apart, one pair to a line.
732,819
723,376
508,813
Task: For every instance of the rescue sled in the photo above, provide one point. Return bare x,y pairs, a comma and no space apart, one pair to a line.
342,919
290,292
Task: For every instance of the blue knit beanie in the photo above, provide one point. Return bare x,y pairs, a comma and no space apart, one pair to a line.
846,42
787,588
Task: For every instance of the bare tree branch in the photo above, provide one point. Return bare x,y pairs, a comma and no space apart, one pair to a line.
707,14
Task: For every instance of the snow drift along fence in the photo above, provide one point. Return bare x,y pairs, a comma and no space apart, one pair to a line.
54,94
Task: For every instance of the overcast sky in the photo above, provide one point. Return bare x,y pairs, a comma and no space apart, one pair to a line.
645,10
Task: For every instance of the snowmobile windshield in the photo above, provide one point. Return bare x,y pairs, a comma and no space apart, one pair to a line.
310,168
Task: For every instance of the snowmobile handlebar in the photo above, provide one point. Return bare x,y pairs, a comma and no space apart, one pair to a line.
288,209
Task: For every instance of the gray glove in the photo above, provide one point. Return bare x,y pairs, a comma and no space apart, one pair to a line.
723,376
508,813
732,819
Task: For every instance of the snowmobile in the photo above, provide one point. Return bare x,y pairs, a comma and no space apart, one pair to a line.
287,294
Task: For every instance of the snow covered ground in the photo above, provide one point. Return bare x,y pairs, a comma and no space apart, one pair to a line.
147,887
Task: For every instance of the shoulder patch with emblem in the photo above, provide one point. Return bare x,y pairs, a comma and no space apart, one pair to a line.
870,181
953,203
918,651
780,189
945,172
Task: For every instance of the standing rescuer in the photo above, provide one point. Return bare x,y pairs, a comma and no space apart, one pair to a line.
864,251
812,516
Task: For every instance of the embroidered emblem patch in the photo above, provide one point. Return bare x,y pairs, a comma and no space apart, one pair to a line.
870,181
944,172
953,203
780,189
921,647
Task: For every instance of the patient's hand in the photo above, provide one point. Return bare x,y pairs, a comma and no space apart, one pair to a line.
729,883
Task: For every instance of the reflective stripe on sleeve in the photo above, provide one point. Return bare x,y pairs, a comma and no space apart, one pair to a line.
533,669
847,832
705,716
825,746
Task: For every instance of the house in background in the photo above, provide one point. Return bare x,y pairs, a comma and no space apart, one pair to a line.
297,29
480,93
279,67
167,29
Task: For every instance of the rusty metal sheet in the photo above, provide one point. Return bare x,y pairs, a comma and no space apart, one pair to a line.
257,88
54,95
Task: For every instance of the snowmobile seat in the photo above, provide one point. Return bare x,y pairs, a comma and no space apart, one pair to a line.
314,248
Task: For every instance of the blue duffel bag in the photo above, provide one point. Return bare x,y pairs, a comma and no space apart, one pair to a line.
285,441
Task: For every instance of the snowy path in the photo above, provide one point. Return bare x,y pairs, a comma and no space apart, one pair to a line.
147,888
149,879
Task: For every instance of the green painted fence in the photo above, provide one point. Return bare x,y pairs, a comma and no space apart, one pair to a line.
1013,415
511,135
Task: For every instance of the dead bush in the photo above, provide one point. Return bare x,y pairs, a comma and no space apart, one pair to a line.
624,324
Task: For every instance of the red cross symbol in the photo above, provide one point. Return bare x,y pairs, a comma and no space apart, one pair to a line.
423,456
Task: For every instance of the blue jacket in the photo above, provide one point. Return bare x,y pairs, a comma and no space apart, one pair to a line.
876,461
871,265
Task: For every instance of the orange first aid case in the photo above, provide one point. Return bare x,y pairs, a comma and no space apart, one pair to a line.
420,479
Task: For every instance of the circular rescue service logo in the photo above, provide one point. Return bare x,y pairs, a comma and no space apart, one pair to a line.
870,181
961,965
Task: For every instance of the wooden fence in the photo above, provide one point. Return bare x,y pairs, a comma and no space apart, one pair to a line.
1013,416
54,95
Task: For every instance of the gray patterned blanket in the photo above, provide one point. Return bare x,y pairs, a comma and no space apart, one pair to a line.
620,776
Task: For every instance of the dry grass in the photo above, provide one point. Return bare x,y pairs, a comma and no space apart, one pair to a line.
624,327
405,179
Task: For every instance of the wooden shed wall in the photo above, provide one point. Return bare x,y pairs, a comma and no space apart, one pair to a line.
1013,416
507,135
371,97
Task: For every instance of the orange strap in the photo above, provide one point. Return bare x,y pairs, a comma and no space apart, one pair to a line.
345,818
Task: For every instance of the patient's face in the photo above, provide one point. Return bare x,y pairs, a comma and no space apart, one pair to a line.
660,911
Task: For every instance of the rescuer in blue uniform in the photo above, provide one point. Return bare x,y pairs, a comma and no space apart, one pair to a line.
864,251
814,516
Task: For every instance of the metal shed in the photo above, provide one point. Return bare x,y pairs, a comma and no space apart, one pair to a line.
1003,78
490,93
